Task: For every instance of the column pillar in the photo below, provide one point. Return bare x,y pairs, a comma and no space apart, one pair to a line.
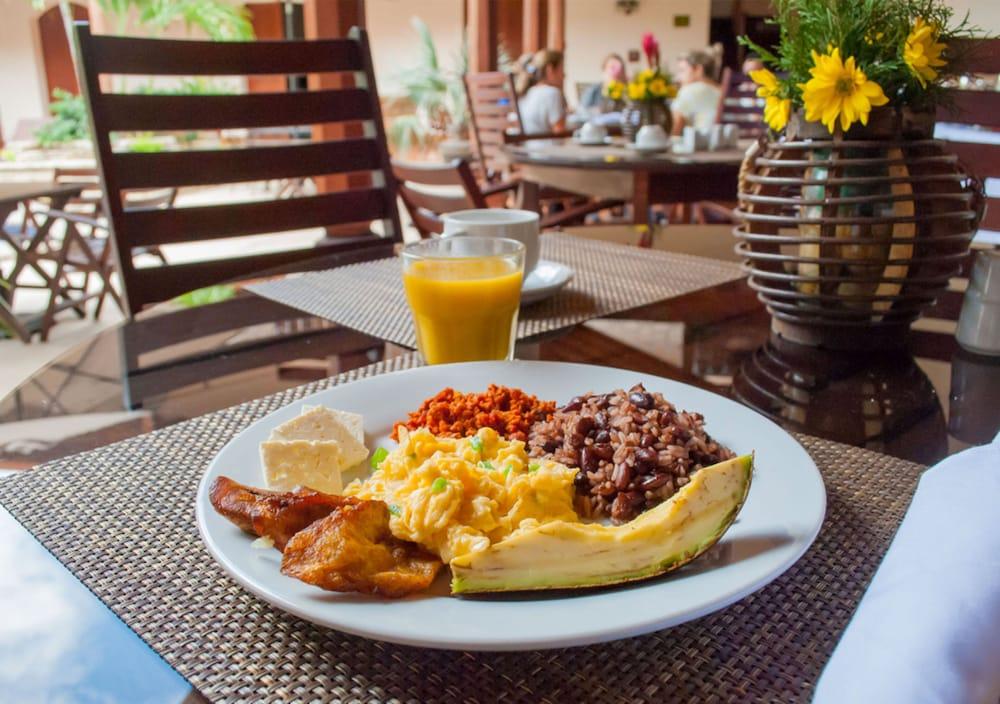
481,30
533,26
557,24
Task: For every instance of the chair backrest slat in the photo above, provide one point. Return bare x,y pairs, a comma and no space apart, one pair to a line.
214,166
152,226
148,113
354,104
740,106
171,57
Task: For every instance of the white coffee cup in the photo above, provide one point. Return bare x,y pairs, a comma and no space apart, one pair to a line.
651,137
592,132
520,225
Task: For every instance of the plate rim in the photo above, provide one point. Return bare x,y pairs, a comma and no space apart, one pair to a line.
599,634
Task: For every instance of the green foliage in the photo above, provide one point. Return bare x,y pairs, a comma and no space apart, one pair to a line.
69,121
437,93
188,86
219,19
206,296
874,32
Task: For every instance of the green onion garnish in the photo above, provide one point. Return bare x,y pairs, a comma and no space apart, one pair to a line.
439,485
378,457
486,464
475,443
395,510
534,467
507,469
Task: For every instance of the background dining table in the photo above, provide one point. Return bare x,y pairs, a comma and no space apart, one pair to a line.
914,407
614,171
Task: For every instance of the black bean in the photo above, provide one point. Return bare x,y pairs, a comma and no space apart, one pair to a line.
582,482
635,498
575,404
551,445
601,419
654,481
648,440
640,399
584,424
604,451
622,476
646,458
621,509
603,436
588,459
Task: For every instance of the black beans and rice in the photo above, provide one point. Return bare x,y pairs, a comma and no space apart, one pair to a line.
633,448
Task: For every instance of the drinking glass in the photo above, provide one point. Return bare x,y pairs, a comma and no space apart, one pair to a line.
464,293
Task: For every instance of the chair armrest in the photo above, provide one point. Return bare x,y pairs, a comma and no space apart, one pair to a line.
76,218
494,188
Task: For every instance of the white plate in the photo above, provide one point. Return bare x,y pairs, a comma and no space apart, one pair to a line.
545,279
779,521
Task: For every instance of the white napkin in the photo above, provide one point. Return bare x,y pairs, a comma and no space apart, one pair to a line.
928,628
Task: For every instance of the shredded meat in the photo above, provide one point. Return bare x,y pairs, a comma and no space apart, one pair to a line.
272,514
352,550
510,412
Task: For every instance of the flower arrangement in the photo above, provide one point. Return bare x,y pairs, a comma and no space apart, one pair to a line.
652,83
838,59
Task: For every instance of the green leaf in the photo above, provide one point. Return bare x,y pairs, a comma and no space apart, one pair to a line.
378,457
476,444
206,296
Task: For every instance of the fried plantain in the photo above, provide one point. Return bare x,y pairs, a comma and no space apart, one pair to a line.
352,550
272,514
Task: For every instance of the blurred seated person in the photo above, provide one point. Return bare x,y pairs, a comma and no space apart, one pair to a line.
697,101
613,69
539,88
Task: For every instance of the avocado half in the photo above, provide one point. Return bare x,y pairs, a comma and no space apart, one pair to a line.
562,555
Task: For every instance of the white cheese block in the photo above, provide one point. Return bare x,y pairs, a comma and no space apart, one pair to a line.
354,422
321,424
293,463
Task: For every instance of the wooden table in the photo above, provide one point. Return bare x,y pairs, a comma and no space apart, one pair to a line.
615,172
26,250
77,403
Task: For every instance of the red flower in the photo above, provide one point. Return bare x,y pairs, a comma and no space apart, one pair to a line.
651,48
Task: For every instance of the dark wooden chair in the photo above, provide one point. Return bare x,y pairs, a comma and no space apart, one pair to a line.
359,161
495,118
740,106
430,190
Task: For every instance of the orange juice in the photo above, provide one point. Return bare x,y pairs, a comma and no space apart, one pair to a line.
464,309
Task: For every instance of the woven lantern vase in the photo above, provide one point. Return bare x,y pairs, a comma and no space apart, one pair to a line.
847,238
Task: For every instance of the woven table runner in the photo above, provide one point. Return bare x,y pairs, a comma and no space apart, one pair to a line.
121,518
609,278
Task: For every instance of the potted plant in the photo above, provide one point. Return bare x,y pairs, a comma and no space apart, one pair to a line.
853,217
647,93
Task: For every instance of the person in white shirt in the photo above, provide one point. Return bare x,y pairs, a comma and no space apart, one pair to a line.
697,101
539,87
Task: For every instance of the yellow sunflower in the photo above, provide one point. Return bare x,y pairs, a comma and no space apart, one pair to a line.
776,109
658,87
776,112
922,51
646,75
636,91
614,90
839,89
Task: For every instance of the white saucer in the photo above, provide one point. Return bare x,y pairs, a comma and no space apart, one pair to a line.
547,278
631,146
603,141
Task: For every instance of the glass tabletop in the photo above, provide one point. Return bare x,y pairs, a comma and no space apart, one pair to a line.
207,352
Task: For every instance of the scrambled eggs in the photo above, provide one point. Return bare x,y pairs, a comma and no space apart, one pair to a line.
457,496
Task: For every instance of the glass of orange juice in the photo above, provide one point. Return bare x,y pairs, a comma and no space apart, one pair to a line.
464,293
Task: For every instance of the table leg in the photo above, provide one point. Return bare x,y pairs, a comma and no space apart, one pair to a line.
640,204
528,197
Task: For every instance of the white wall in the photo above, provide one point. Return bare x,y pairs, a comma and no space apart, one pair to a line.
984,13
595,28
395,44
22,79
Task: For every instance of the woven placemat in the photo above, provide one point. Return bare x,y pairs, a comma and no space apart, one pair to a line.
609,278
121,518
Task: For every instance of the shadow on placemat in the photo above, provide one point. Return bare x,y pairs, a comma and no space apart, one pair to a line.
121,518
